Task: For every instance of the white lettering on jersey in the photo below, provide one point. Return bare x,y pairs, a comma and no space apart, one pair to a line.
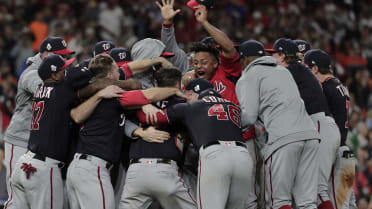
220,88
343,90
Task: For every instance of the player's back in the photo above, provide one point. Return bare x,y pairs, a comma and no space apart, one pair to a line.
211,119
102,133
50,120
279,104
338,100
309,88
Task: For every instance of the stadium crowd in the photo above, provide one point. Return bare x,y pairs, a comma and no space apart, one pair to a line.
342,28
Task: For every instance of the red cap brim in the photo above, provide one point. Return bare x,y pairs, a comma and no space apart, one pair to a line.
64,51
68,63
192,4
119,64
271,50
167,54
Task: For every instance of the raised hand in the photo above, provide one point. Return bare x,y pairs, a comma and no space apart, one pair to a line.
167,11
201,13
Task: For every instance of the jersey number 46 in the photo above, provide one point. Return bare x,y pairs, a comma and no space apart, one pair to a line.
233,113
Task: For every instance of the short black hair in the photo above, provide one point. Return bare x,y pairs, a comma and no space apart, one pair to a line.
203,47
167,77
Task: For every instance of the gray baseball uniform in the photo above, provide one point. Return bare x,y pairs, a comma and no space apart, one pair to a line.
18,132
268,92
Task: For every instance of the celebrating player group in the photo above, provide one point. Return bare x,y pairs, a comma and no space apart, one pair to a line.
223,126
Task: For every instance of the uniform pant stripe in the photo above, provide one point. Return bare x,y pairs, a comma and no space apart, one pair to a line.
187,189
200,172
51,188
100,183
255,174
271,182
10,175
318,126
333,187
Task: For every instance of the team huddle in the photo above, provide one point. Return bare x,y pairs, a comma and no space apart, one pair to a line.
222,126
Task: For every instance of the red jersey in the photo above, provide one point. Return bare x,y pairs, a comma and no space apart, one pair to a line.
225,78
224,82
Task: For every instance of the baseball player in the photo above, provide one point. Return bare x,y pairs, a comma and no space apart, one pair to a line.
36,181
100,138
214,127
284,50
267,92
103,47
337,95
18,132
153,172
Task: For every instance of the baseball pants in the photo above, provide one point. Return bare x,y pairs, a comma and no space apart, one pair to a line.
291,170
36,184
254,189
89,184
329,144
342,180
224,176
12,154
150,180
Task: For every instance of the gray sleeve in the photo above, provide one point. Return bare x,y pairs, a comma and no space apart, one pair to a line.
129,128
30,81
180,59
247,92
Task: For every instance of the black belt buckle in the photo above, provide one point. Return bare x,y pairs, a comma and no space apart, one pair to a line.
86,157
164,161
210,144
241,144
42,158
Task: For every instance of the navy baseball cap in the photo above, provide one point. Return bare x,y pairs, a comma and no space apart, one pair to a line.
194,3
284,45
85,63
317,57
103,47
198,85
209,92
251,48
57,45
53,64
120,55
303,46
80,76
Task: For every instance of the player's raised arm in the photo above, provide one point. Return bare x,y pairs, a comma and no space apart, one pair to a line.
220,37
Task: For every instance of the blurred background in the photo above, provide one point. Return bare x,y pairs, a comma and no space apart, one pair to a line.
343,28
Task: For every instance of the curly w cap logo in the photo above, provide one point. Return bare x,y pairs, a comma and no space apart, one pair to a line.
53,68
122,55
105,46
64,43
301,47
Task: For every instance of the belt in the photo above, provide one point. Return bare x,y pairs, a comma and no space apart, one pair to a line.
43,158
237,143
160,160
89,158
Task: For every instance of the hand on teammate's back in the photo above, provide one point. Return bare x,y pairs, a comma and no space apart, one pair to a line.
167,11
111,91
152,135
150,112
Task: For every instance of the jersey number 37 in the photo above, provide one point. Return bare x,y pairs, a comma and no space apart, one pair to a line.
233,113
37,110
